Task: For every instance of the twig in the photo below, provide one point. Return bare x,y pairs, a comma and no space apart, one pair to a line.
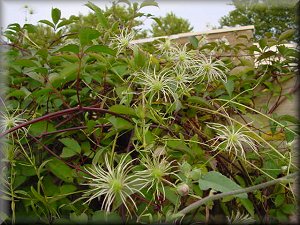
198,203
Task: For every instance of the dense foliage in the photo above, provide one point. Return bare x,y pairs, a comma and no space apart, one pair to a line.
170,24
268,16
99,129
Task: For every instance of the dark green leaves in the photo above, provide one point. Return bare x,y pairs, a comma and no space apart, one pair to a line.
86,35
61,170
71,147
41,127
55,14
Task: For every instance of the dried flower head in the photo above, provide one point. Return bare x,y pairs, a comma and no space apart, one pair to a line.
240,218
183,79
157,168
164,46
157,84
10,119
123,40
182,57
212,70
114,183
232,138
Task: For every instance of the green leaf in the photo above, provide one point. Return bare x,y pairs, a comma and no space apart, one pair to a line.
37,195
86,35
265,55
47,22
139,57
248,205
279,200
120,123
100,16
102,49
171,195
64,22
55,14
30,28
194,41
61,170
240,70
286,35
41,127
158,21
120,70
69,48
199,100
219,182
36,76
102,217
80,219
25,63
72,147
247,61
179,145
229,85
148,3
68,73
122,109
288,208
289,118
67,188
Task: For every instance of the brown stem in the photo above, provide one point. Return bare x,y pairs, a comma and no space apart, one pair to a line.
279,102
69,129
60,113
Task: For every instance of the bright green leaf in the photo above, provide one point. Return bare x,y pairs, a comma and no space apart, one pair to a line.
47,22
86,35
69,48
122,109
248,205
148,3
102,49
25,63
120,123
61,170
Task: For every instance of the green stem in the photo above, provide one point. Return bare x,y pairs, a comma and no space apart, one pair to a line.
198,203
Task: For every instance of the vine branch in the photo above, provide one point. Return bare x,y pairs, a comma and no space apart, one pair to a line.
195,205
